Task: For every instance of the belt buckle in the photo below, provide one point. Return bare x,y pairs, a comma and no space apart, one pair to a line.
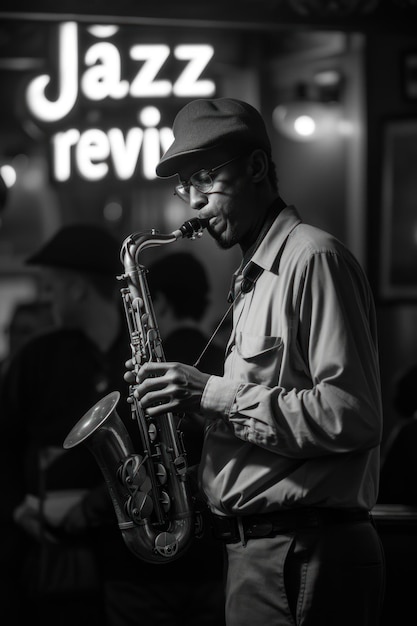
261,528
225,529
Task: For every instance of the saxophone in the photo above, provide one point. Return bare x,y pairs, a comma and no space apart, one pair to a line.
150,490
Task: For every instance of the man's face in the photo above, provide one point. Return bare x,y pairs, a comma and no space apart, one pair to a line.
229,205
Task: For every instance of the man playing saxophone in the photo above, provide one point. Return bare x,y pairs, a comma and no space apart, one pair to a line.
290,461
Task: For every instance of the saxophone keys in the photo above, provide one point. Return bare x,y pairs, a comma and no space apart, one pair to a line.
132,472
152,432
165,501
137,303
139,506
166,544
180,465
161,473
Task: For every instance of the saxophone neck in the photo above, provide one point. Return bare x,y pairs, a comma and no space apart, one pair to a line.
135,243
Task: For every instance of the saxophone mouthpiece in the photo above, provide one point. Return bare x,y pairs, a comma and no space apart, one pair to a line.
192,228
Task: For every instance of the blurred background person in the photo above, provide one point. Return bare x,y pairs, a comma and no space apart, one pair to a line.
27,320
181,296
48,493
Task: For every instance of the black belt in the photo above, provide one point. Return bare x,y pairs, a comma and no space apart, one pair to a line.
242,528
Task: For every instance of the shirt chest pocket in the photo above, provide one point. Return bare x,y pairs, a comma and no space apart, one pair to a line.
259,358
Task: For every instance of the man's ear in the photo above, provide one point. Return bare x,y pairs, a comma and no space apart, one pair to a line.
258,162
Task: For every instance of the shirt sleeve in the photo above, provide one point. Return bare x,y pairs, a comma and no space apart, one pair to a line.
338,408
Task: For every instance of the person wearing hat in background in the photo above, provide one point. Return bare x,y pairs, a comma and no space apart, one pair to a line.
52,498
290,461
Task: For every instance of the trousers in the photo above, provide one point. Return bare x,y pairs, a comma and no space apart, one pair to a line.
331,575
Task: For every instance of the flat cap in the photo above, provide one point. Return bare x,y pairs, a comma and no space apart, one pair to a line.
80,247
202,125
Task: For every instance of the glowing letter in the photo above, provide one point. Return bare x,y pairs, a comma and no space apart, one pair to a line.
103,80
150,153
144,85
187,83
39,105
92,147
61,144
166,138
125,154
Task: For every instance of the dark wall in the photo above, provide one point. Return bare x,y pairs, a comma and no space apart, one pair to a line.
386,102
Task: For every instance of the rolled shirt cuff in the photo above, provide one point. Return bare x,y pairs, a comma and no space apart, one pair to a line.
218,397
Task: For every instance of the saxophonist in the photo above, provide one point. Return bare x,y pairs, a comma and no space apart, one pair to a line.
290,462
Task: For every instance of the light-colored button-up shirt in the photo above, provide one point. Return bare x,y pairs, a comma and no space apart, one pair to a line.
297,416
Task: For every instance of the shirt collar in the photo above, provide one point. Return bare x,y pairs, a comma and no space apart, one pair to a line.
271,247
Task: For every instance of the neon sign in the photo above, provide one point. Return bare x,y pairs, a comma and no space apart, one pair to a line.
97,76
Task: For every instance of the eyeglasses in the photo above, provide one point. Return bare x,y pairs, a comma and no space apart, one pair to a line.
201,180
